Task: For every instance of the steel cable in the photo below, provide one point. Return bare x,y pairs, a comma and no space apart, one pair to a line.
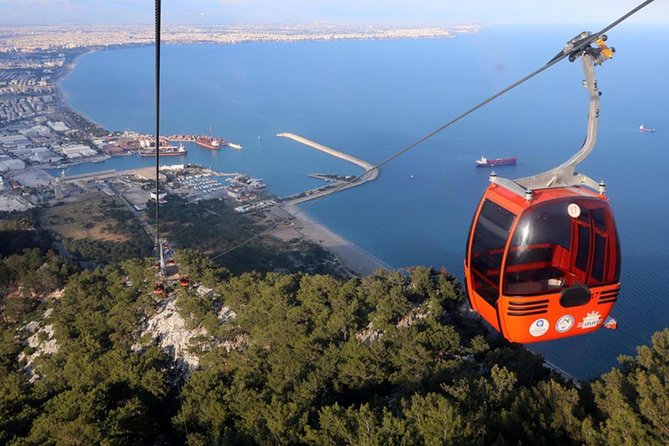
438,130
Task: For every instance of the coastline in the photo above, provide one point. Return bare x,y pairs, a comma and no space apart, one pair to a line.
111,36
63,96
355,260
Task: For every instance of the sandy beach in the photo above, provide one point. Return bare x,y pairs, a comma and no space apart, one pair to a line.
353,258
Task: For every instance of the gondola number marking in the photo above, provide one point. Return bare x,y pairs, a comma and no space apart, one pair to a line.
539,327
574,210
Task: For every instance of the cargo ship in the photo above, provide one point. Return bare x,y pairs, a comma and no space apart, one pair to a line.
208,142
485,162
164,151
643,129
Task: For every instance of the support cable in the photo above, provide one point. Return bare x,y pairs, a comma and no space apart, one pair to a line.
157,140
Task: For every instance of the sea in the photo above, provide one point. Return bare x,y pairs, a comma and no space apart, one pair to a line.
370,98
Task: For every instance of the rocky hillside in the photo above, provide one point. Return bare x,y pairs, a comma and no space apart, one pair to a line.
95,357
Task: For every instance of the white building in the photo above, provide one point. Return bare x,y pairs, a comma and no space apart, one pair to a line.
14,141
58,126
11,164
76,151
174,167
43,155
162,197
13,204
37,130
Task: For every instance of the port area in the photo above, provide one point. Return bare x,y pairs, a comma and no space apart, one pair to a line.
337,183
136,186
34,187
130,143
195,138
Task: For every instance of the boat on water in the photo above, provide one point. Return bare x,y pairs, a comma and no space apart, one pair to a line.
164,151
208,142
485,162
644,129
232,145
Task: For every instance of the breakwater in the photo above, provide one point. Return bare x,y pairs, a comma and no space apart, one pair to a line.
330,151
371,172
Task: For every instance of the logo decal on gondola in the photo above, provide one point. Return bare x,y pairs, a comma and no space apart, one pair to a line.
573,210
564,324
592,320
539,327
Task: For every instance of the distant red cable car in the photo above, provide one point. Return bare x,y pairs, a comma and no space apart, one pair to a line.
543,258
159,289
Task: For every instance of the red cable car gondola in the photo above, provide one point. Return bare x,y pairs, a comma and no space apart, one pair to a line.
543,259
159,289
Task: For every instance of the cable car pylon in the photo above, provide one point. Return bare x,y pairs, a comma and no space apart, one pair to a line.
543,258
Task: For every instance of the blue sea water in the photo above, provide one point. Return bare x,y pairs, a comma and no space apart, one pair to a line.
371,98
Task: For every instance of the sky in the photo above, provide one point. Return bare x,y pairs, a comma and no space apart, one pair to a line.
79,12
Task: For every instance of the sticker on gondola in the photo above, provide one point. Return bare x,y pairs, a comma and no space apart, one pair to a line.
564,324
592,320
574,210
539,327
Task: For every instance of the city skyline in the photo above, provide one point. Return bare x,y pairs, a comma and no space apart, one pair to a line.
202,12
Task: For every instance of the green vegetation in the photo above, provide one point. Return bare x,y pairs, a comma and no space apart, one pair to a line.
86,129
213,227
291,359
19,233
100,230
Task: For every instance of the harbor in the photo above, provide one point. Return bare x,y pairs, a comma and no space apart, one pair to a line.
337,183
130,143
206,141
404,220
330,151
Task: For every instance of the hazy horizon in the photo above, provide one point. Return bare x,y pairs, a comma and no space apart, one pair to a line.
299,12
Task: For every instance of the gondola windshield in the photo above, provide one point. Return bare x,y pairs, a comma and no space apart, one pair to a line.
490,238
561,244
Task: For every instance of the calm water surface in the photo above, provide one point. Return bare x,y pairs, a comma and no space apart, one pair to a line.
371,98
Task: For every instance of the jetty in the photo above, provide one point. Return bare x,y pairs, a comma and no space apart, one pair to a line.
330,151
371,172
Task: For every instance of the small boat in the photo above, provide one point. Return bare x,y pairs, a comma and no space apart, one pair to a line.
232,145
485,162
643,129
164,151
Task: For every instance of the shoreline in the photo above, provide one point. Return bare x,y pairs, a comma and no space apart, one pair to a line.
371,172
355,260
63,96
